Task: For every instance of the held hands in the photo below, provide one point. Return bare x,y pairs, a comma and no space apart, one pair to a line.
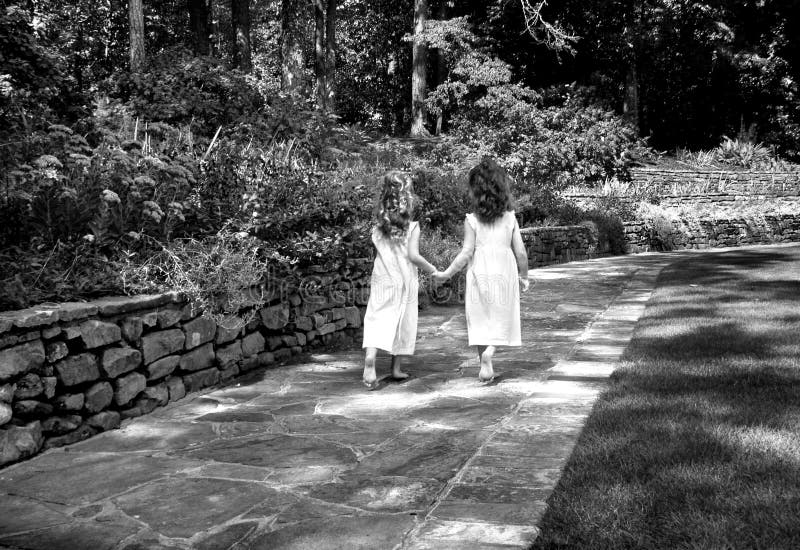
439,277
524,284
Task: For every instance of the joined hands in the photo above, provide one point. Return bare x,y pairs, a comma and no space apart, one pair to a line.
439,276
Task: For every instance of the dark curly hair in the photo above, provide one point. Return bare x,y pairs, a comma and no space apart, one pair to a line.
491,191
394,208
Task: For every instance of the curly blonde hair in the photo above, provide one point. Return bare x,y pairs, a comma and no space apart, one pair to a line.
395,204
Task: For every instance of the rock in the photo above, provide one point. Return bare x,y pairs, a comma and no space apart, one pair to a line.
7,392
49,383
132,328
150,320
282,354
265,358
288,340
311,335
301,338
118,305
201,379
142,405
34,317
252,344
72,332
327,328
176,388
5,413
29,408
340,324
199,331
28,387
353,316
230,354
248,363
228,373
296,350
104,421
274,342
96,333
18,442
14,339
159,344
128,387
84,431
169,317
318,319
275,317
71,311
228,330
198,359
117,361
312,304
70,402
58,425
77,369
162,367
21,358
337,313
304,323
55,351
98,397
51,332
159,393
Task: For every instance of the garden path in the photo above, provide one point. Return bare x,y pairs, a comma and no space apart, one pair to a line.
302,456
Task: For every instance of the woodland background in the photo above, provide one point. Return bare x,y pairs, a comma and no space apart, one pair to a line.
198,144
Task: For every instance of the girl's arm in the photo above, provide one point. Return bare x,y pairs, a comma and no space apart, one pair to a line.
521,254
463,258
413,253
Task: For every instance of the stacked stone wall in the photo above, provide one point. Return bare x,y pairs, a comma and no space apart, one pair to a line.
71,370
683,234
555,245
709,188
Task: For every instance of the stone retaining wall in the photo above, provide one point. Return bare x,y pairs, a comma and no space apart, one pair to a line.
643,237
555,245
71,370
675,188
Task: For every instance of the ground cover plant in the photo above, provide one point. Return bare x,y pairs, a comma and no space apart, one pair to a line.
695,444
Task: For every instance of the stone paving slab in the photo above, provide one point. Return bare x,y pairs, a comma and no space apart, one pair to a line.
302,456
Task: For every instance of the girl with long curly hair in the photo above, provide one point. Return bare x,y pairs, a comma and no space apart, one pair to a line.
390,323
497,265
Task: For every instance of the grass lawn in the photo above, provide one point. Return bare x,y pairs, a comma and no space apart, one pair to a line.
696,443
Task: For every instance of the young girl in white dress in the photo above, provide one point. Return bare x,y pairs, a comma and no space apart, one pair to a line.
390,323
497,265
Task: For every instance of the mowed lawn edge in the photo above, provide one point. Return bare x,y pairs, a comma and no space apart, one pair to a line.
696,442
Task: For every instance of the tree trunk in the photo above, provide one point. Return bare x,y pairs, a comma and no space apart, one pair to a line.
136,19
199,24
419,70
630,105
319,52
240,19
292,62
330,56
441,67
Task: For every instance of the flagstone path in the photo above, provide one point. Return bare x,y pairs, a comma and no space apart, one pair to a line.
303,457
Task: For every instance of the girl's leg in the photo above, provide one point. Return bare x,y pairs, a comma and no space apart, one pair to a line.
397,363
369,366
485,354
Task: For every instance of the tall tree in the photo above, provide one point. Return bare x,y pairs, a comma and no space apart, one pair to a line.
199,24
419,70
292,59
240,19
325,52
136,19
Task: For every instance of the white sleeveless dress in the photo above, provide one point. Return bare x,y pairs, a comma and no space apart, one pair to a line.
492,286
390,323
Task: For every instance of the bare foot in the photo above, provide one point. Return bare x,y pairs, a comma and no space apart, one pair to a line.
487,369
370,377
397,373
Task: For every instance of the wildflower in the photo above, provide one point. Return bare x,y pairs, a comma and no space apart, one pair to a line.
110,197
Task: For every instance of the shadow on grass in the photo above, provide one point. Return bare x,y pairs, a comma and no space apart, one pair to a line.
696,444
